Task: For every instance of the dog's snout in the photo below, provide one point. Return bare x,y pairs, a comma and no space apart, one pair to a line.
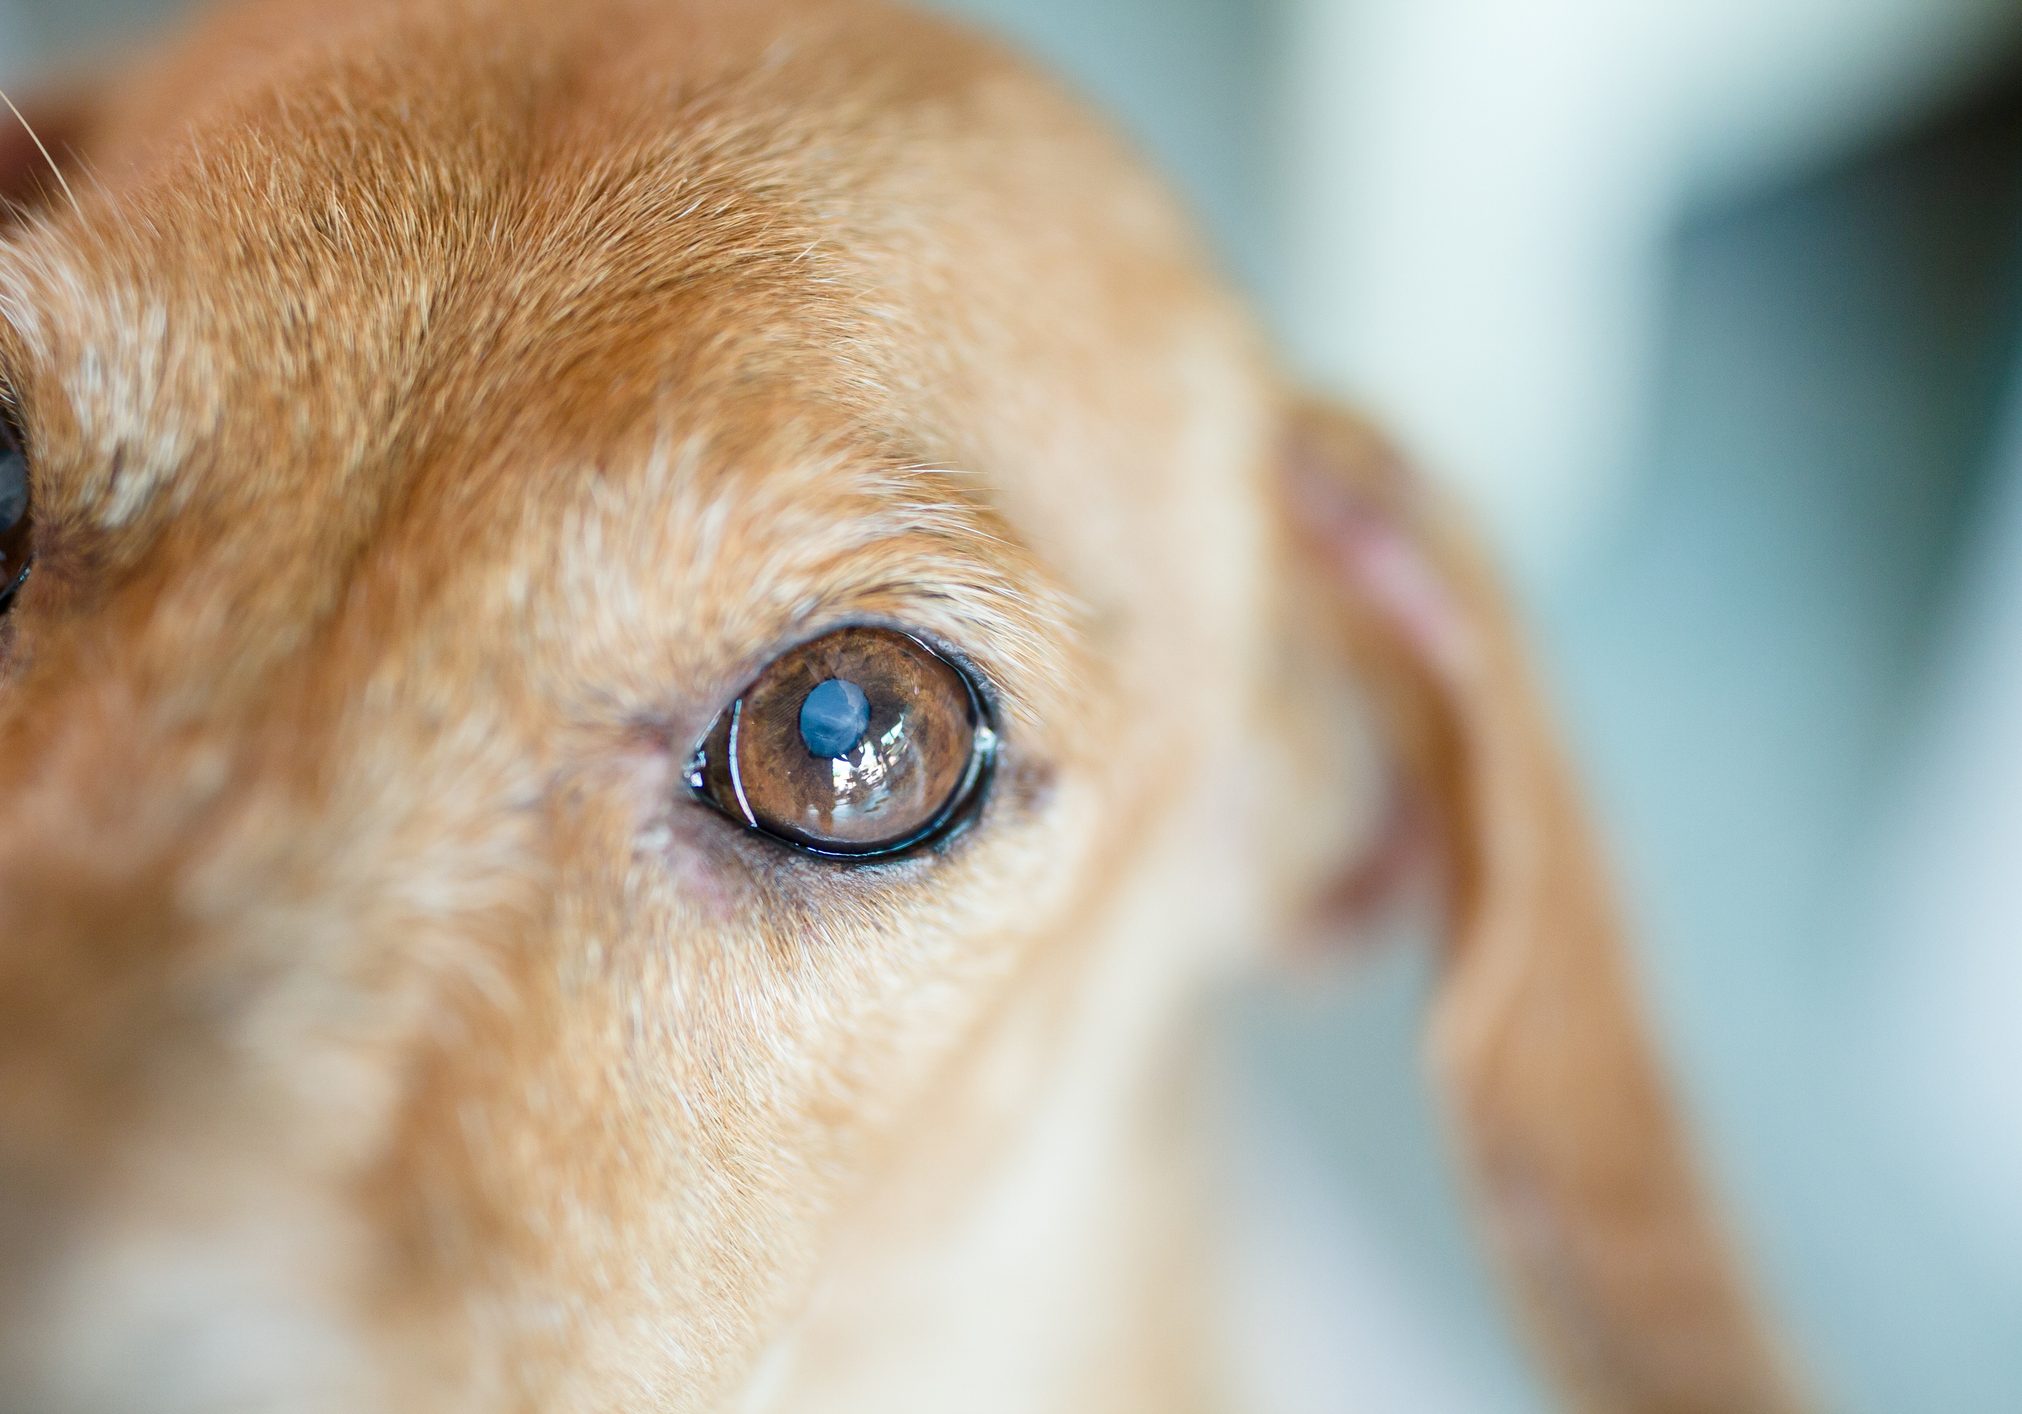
208,969
111,1264
96,842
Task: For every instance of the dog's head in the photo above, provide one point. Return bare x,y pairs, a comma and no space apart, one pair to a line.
644,622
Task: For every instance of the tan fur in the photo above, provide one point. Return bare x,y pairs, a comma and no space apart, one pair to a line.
438,410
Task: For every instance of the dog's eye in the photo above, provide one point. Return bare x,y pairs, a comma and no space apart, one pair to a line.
17,521
864,742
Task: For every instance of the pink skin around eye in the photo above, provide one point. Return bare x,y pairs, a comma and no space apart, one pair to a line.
649,789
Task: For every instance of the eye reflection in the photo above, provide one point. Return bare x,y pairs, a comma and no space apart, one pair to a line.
863,742
870,768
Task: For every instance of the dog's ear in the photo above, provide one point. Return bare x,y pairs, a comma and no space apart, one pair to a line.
1578,1159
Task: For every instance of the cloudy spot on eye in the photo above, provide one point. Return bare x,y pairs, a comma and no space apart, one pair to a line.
834,718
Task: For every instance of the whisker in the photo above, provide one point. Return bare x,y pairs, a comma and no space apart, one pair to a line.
36,138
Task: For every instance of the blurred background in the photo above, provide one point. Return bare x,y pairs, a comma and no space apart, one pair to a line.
1710,307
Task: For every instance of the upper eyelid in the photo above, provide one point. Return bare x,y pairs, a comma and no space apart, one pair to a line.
19,392
12,403
14,413
1005,625
16,340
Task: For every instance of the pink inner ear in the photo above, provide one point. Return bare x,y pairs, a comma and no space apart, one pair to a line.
1403,858
1379,563
1366,544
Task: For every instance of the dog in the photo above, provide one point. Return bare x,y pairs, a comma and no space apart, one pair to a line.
655,649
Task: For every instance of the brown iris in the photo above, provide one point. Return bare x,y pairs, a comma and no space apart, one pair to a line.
862,742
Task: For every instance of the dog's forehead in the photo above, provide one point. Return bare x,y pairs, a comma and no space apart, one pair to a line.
808,236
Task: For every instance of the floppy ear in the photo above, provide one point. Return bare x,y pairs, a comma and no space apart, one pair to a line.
1577,1157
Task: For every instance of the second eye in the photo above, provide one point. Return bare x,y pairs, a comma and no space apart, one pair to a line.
17,521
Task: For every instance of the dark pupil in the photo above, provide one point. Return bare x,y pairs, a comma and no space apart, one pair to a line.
834,718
